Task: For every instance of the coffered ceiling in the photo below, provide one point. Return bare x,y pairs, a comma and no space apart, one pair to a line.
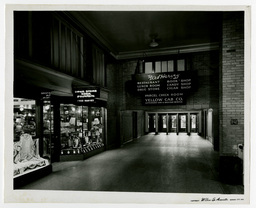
127,34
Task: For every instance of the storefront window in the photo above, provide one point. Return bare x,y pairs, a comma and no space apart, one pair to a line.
47,128
71,125
24,117
96,125
26,148
81,129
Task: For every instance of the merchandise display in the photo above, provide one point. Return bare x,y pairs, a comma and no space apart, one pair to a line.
26,155
81,129
24,117
26,152
47,128
80,132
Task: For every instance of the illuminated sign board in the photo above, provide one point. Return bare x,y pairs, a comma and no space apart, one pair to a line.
45,95
168,88
86,95
163,82
46,98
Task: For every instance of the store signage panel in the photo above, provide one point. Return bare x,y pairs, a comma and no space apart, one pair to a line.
164,82
164,99
86,95
168,88
45,95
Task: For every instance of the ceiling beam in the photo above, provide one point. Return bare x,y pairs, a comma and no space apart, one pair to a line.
168,51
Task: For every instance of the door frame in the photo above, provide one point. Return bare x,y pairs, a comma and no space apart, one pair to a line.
171,111
186,129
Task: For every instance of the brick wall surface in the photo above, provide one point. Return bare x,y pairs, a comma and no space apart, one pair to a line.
232,89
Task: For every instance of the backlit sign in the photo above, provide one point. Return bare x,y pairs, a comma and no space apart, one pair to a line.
86,95
168,88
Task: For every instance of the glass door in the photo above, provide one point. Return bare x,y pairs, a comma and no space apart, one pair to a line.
162,122
183,123
194,123
173,123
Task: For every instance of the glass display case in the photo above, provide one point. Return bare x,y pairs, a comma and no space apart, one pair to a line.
81,129
24,117
27,144
48,128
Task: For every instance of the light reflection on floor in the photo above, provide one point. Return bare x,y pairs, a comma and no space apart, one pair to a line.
153,163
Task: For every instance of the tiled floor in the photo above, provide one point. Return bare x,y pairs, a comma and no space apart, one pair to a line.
153,163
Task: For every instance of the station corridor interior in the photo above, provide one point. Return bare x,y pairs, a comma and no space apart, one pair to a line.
152,163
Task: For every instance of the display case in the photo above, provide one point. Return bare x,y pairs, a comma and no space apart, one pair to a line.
81,131
26,148
48,128
24,118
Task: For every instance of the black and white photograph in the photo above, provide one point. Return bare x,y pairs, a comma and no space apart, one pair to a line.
127,104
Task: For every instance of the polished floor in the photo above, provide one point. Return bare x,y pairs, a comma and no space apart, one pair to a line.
152,163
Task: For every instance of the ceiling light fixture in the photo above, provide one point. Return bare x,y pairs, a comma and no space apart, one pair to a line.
153,44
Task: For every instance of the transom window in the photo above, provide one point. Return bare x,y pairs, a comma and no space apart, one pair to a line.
171,65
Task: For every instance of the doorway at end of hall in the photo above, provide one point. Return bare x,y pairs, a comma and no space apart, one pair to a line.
182,122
